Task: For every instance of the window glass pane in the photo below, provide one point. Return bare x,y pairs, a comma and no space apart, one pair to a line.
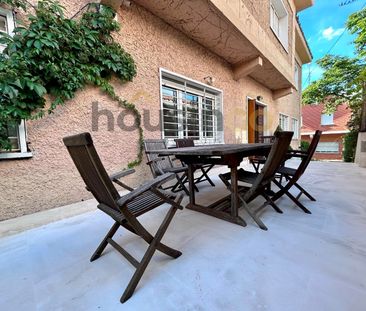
13,135
328,147
12,129
170,113
295,128
283,122
189,110
279,21
327,119
191,125
275,20
208,117
3,24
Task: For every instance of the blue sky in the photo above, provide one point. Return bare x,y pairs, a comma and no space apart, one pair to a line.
323,25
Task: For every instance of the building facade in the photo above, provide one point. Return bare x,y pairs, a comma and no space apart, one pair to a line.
215,70
334,127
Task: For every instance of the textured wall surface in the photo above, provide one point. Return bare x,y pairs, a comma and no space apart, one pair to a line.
49,179
261,11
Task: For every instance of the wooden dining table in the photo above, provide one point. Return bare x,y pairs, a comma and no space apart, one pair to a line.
230,155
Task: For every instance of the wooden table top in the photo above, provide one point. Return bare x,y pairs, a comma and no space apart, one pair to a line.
213,150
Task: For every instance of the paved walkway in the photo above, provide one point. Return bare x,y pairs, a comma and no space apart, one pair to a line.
303,262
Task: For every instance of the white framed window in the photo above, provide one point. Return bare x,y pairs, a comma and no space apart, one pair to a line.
16,132
328,147
327,119
295,128
6,24
297,75
284,122
190,109
279,21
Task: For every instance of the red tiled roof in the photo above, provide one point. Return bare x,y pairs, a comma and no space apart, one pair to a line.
311,117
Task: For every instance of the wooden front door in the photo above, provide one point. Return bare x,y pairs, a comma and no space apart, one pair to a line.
255,121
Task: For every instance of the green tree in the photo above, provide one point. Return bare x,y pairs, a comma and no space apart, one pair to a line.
341,82
344,78
356,24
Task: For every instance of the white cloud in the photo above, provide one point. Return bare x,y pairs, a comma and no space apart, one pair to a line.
329,33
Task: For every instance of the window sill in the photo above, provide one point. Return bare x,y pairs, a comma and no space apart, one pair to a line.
15,155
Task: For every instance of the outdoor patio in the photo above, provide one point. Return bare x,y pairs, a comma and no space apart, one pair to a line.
303,262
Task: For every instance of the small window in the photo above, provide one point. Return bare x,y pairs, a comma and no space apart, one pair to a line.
328,147
327,119
17,136
16,132
279,21
3,24
295,128
6,24
284,122
297,75
190,110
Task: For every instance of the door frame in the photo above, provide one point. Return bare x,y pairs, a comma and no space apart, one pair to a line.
265,112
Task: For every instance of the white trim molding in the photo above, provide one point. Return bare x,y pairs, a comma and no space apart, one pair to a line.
181,85
23,152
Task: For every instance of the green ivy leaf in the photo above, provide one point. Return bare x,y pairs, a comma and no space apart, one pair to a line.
58,56
38,44
40,89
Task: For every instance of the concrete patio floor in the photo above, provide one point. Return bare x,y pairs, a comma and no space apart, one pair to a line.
303,262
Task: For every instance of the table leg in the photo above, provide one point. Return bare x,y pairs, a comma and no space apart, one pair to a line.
190,173
234,191
233,199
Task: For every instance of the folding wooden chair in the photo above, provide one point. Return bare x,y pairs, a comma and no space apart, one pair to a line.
293,175
204,168
124,210
257,161
260,181
161,165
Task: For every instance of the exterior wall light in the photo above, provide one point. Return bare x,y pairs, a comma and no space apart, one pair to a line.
209,80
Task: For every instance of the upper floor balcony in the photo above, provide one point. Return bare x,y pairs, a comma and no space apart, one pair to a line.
231,30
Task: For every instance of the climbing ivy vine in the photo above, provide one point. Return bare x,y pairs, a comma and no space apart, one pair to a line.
55,56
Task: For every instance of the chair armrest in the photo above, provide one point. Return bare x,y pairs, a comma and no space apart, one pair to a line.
302,156
153,161
297,152
116,176
155,183
121,174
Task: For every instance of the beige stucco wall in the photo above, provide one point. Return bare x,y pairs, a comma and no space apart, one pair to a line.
261,11
49,179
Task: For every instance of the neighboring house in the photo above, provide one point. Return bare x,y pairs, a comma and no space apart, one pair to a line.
334,127
215,70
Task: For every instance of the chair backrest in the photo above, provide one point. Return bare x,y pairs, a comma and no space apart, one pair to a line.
266,139
91,169
310,152
164,163
274,160
184,142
